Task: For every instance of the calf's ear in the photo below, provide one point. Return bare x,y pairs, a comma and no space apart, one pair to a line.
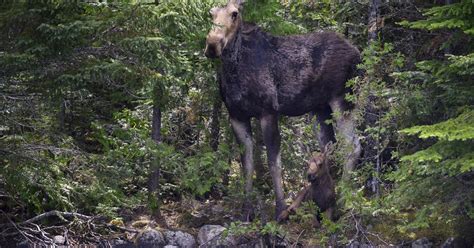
328,149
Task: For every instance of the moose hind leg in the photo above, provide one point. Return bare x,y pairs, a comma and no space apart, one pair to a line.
271,138
345,127
324,131
243,133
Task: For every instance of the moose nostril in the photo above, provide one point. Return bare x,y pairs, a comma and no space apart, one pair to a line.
211,51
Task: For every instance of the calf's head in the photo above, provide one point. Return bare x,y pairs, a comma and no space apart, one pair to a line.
318,165
226,21
315,168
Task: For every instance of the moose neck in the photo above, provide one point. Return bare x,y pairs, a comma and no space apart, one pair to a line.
322,178
231,52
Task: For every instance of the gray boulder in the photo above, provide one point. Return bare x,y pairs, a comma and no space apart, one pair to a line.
357,244
454,243
118,243
422,243
353,244
59,240
212,236
180,239
150,239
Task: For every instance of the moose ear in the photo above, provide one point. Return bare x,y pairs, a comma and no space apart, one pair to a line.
238,3
213,11
328,149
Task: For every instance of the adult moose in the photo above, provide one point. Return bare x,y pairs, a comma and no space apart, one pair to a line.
264,76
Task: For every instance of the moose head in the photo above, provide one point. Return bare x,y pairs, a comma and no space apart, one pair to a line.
226,22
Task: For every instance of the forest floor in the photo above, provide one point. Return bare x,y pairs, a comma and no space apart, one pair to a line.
189,215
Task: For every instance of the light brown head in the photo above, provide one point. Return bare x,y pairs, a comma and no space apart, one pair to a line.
226,22
318,165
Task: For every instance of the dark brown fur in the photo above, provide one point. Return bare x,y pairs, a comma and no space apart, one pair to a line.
290,75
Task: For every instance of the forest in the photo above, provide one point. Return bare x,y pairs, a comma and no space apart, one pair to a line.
114,131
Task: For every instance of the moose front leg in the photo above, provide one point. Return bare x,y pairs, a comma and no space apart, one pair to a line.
243,133
271,138
324,131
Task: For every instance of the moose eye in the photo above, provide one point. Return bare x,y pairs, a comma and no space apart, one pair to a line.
234,15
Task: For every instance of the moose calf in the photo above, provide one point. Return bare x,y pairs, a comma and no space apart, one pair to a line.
320,189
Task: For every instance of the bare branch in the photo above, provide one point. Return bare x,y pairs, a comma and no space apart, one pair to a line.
58,214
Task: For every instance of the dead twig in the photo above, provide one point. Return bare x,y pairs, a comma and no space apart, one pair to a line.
121,228
297,239
379,238
18,229
58,214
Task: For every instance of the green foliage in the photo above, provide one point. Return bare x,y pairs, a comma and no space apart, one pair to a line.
204,170
79,81
87,75
270,15
255,227
456,15
305,213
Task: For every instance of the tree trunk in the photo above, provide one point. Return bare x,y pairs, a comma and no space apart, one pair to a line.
373,20
156,125
215,124
62,115
154,177
372,36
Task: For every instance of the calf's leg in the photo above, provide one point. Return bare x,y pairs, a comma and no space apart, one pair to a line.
295,204
271,138
243,133
345,127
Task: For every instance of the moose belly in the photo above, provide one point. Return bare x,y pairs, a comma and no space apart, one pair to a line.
248,103
300,103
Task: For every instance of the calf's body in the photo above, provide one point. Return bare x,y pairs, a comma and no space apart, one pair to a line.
321,190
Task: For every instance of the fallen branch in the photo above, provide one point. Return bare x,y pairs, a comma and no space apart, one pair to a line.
33,230
363,231
122,228
58,214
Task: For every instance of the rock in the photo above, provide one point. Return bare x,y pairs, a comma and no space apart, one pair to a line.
211,236
150,239
118,243
357,244
422,243
180,239
353,244
454,243
23,244
217,209
59,240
